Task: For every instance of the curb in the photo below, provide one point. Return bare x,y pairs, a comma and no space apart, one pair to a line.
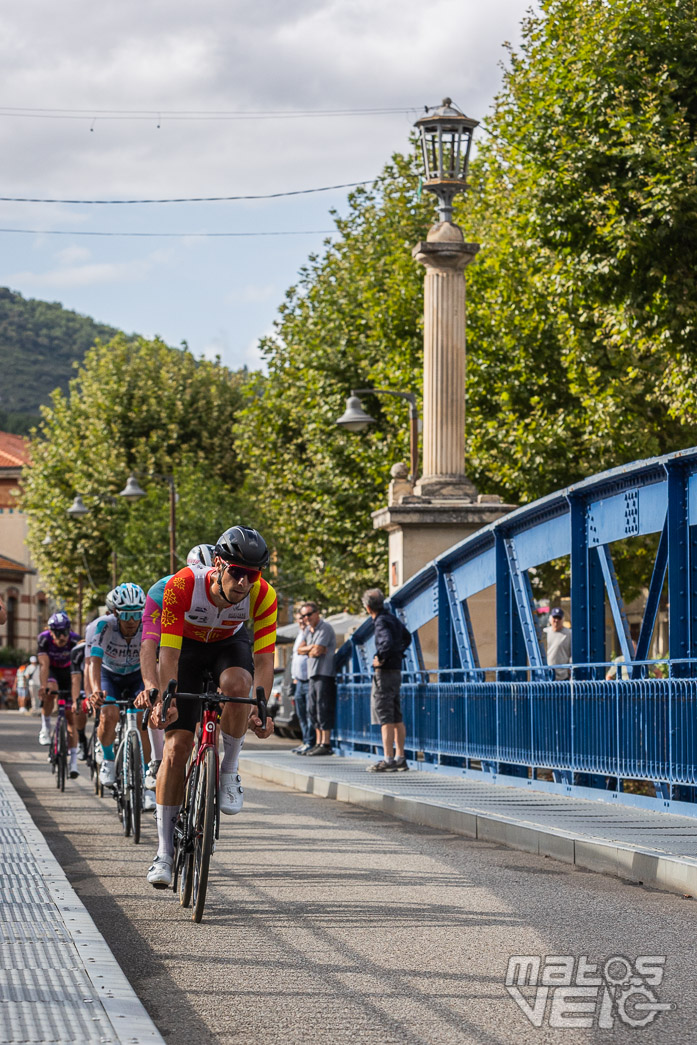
125,1011
631,863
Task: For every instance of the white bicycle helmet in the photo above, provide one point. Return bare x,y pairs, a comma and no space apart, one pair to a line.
126,597
201,553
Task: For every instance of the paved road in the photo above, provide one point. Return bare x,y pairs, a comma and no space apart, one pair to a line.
332,925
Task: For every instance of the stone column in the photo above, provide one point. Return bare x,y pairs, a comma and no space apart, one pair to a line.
444,255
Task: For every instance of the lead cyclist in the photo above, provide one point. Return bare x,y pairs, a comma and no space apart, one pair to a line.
204,610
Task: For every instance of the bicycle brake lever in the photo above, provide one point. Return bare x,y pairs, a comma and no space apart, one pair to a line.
152,695
261,705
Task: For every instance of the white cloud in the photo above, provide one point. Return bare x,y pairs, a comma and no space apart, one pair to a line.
86,275
252,293
73,255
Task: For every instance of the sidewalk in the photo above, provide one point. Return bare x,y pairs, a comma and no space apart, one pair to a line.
59,982
655,849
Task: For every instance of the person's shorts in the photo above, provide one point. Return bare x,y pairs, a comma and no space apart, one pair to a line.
321,701
62,677
120,687
199,658
385,705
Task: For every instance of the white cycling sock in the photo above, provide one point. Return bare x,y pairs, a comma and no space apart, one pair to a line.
157,743
73,759
46,722
166,819
231,752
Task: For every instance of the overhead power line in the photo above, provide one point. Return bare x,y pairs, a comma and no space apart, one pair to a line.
188,199
197,114
178,235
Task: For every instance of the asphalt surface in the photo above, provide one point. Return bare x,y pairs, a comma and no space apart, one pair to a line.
330,924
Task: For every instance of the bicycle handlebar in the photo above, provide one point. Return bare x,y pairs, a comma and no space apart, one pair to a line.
216,698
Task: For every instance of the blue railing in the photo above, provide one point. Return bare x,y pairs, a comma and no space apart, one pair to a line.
626,736
634,734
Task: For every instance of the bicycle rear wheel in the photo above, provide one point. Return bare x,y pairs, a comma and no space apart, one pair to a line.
204,825
135,783
61,755
184,836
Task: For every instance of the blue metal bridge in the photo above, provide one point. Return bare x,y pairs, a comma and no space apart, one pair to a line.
627,739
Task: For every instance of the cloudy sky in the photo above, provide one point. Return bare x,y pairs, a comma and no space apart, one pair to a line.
179,99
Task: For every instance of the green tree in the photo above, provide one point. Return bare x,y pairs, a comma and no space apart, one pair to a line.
352,321
582,309
133,406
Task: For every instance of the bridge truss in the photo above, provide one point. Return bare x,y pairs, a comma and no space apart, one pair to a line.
632,738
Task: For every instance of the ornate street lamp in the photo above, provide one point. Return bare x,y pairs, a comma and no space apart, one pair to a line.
355,419
446,140
78,508
133,491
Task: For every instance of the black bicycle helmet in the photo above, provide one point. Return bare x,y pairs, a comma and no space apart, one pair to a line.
243,547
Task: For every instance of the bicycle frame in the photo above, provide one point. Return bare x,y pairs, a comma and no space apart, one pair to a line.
124,785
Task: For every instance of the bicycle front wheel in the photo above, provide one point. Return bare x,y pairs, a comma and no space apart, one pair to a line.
62,755
204,824
121,789
135,783
184,842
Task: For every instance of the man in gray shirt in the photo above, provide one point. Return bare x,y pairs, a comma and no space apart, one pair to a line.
558,642
319,646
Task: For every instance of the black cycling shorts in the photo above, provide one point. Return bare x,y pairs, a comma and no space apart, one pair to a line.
198,658
62,677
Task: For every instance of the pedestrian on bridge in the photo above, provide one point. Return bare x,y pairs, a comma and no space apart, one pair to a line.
558,643
319,646
391,639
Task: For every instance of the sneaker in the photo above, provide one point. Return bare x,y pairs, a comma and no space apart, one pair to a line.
231,794
107,773
160,872
383,766
22,710
44,737
401,765
303,749
151,774
73,774
82,753
149,802
320,749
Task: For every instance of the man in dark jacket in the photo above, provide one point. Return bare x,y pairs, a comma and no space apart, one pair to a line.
385,709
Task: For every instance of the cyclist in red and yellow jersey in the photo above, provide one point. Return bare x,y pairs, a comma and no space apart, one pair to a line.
204,611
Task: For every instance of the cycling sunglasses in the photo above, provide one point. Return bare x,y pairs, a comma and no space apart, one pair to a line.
242,573
130,614
59,631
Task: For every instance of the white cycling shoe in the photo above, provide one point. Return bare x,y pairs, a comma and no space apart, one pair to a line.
107,773
160,872
44,737
231,794
151,774
149,801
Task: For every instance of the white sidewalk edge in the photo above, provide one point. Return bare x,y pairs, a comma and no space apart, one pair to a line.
632,863
131,1023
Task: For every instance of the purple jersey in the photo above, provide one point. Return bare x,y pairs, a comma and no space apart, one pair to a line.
58,656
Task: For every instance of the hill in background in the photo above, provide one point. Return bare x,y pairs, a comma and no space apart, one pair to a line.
39,342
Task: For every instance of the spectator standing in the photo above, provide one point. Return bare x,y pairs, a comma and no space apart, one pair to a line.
319,645
558,643
31,678
298,670
20,687
391,639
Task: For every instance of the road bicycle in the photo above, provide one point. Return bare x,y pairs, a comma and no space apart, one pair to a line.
58,748
198,822
93,760
130,768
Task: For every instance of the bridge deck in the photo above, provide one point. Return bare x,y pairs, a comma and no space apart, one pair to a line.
657,849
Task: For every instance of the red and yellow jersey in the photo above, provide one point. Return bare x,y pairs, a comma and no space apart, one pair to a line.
189,612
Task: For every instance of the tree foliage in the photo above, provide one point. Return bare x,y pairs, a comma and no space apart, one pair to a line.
133,406
40,341
581,304
582,309
352,321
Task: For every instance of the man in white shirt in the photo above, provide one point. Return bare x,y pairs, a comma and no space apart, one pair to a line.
298,670
558,643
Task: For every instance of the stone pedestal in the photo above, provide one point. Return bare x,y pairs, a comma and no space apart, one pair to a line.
418,530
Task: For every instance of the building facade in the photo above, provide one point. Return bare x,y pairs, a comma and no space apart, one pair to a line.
26,602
